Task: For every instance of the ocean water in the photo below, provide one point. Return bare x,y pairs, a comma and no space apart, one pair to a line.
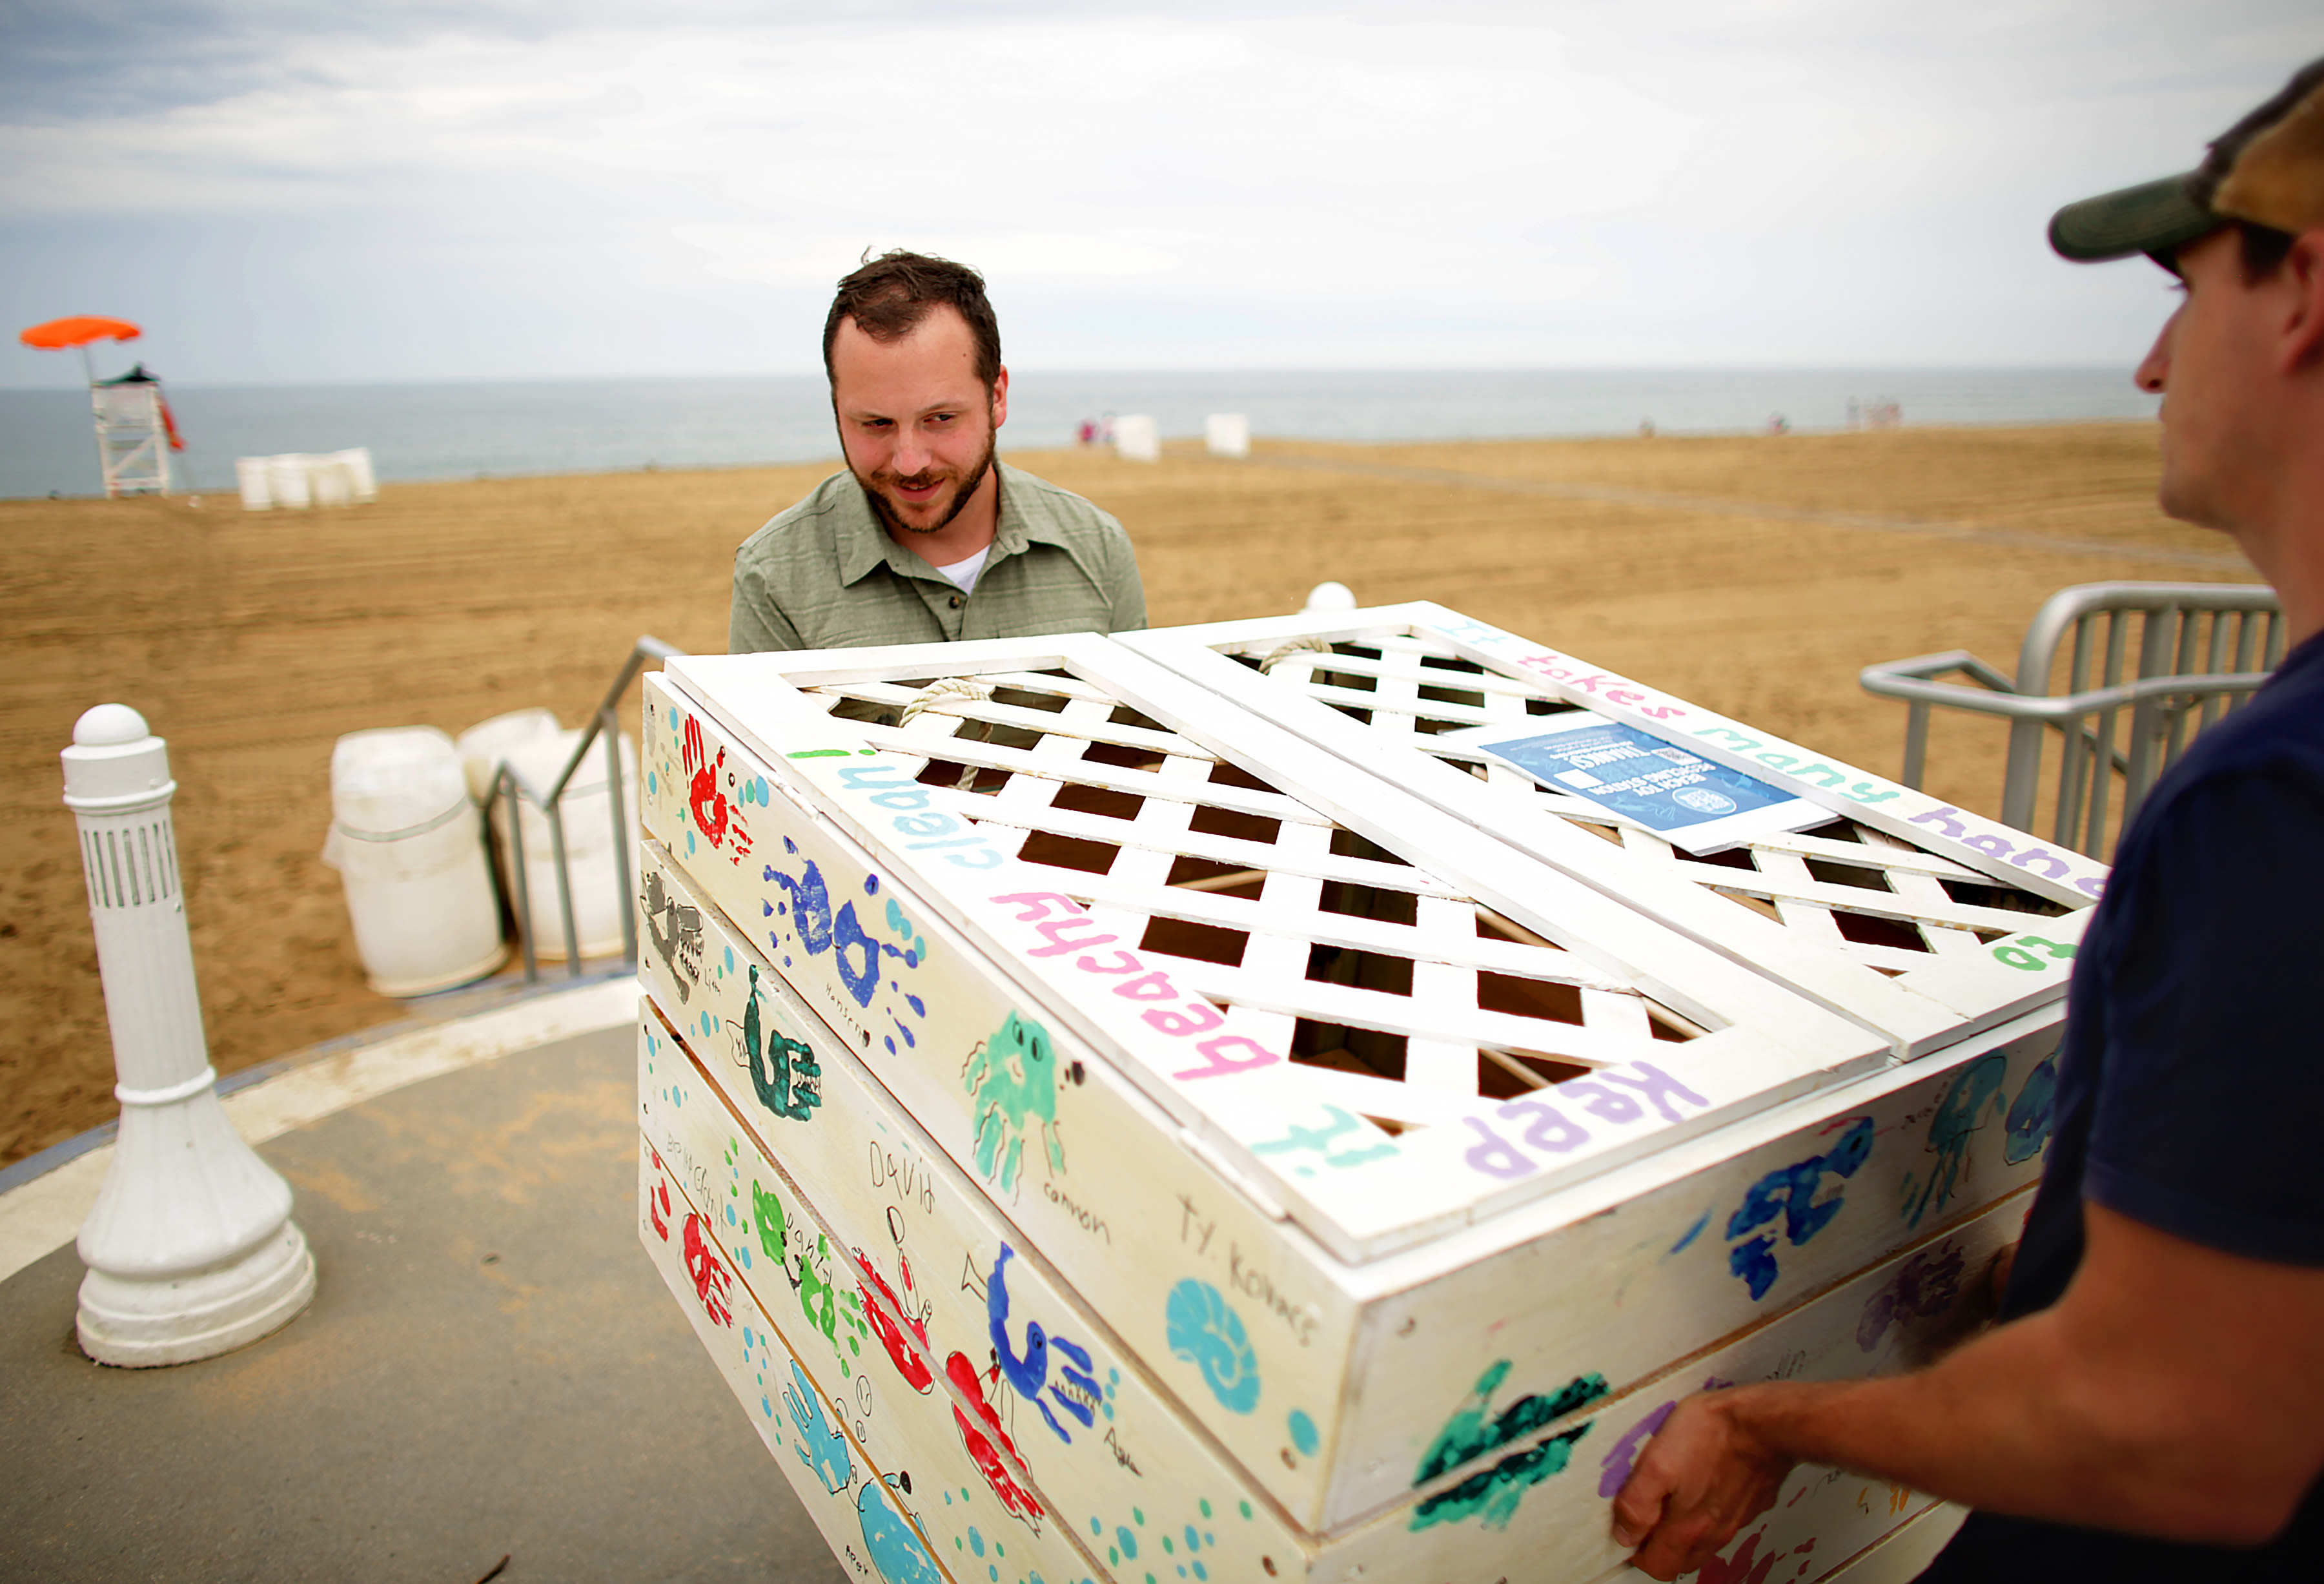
418,431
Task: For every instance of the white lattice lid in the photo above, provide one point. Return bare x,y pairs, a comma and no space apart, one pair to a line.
1386,1021
1907,914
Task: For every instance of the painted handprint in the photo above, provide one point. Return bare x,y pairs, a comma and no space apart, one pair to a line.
1075,1388
679,945
1013,1077
835,1310
890,1320
820,1447
890,1540
783,1071
710,1279
716,817
978,1439
657,1200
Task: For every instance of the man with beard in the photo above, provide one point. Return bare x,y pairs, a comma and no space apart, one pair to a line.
2151,1405
926,537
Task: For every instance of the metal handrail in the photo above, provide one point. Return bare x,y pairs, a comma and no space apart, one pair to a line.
508,784
2185,679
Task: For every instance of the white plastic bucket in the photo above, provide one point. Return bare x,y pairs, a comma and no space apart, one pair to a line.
361,479
301,479
407,842
599,902
1137,437
332,484
485,745
286,480
252,475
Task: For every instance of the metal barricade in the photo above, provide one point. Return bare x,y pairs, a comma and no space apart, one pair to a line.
604,724
2174,656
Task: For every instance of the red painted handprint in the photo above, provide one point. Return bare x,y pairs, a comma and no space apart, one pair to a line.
710,1279
884,1312
717,818
979,1441
658,1204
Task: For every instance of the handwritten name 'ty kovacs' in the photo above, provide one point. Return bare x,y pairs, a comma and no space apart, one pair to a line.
1200,1234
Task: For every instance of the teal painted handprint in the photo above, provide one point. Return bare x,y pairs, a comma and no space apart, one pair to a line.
1013,1077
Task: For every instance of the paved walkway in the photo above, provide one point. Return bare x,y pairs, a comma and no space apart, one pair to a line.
491,1367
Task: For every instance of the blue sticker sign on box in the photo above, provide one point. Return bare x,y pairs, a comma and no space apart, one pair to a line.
1682,797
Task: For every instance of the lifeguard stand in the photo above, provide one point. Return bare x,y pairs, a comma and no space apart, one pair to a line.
134,433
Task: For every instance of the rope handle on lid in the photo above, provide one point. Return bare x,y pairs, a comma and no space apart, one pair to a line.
964,690
1282,652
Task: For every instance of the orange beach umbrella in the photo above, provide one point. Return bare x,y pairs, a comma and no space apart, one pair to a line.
78,331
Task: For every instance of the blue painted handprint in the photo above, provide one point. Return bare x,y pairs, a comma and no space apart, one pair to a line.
895,1548
821,1448
1075,1389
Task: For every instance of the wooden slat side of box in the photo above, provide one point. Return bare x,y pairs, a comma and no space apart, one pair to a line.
925,1518
1105,1188
1536,1500
1639,1267
1540,1507
1905,1553
1098,1430
1742,1226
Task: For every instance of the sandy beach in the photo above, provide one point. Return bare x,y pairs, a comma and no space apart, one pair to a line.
1756,575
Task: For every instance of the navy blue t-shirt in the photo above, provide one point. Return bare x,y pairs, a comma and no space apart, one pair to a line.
2191,1083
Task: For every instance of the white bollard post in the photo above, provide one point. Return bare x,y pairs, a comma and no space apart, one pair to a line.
191,1246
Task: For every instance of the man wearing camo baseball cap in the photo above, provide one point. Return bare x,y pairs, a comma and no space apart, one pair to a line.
2149,1404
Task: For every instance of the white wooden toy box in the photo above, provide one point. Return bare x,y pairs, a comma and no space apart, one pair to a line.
1177,1143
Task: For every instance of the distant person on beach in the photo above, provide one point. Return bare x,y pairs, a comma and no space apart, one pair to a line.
2150,1405
927,536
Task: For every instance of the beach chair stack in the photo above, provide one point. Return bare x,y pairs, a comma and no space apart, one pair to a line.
1143,1110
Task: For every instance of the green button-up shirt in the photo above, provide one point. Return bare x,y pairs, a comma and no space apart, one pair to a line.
824,575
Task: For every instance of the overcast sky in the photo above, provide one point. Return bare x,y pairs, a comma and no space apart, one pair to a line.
517,187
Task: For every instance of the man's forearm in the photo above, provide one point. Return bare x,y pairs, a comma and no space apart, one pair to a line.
2021,1421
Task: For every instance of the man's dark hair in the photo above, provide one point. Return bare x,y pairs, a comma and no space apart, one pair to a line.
890,295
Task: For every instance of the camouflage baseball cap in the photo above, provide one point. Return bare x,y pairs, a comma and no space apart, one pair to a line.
2267,169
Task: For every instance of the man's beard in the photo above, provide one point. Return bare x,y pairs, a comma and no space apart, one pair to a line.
895,524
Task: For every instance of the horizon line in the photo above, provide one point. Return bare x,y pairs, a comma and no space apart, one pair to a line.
8,387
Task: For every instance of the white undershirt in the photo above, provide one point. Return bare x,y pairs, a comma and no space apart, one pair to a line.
964,572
